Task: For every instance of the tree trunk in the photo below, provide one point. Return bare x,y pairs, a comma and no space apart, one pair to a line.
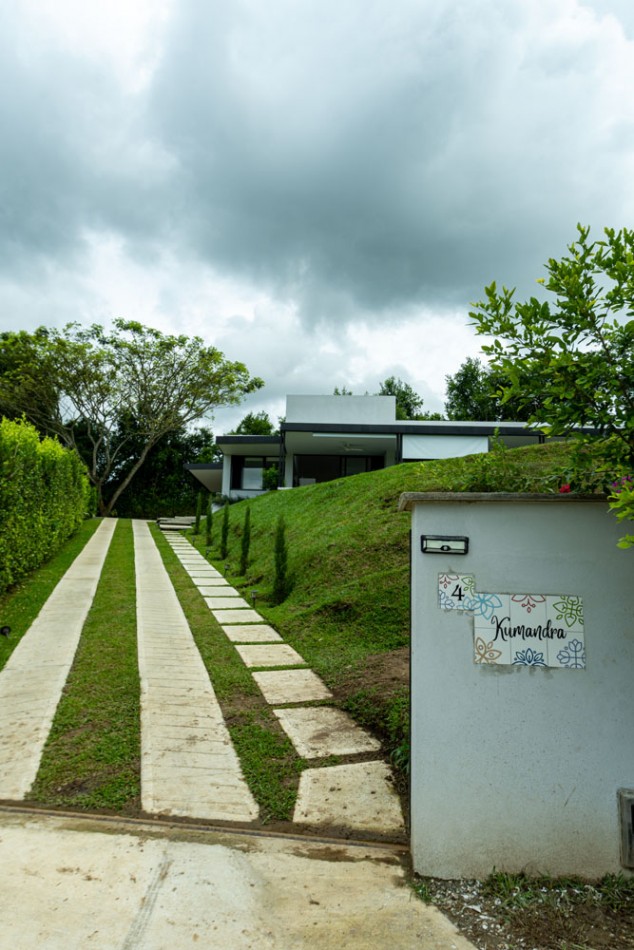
107,508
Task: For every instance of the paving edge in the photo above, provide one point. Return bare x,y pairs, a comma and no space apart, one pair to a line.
163,826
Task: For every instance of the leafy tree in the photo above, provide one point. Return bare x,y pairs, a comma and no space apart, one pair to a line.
255,423
578,351
470,394
99,391
344,391
476,392
16,351
408,403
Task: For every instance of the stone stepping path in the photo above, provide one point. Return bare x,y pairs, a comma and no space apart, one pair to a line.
359,796
318,731
32,680
269,654
362,791
188,764
291,686
251,633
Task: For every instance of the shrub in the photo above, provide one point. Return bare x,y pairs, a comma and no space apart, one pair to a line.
44,497
270,478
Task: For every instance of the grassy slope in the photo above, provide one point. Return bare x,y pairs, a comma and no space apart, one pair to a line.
348,550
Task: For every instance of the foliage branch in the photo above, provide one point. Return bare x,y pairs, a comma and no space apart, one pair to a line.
577,356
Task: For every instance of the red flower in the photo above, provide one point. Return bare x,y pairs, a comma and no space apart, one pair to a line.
564,489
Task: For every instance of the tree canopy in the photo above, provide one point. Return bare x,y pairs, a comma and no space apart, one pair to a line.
255,423
477,392
408,403
103,392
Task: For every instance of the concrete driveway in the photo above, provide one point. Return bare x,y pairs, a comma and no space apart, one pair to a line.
75,882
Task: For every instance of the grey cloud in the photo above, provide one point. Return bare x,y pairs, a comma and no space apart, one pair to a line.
73,157
378,158
360,159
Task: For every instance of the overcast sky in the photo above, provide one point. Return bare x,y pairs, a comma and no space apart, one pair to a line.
318,187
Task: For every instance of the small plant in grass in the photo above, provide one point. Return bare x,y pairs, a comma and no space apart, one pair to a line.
224,534
246,541
281,582
199,512
270,477
208,523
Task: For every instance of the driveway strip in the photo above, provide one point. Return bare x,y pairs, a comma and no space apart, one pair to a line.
31,683
188,764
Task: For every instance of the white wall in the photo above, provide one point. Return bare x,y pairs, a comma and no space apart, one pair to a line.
361,410
226,475
518,768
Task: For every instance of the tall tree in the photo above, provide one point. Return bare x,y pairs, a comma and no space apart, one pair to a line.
100,391
255,423
469,393
408,403
477,392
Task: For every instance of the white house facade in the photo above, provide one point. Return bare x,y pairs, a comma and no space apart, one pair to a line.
328,437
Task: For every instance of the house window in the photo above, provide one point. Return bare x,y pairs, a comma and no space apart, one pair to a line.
247,471
324,468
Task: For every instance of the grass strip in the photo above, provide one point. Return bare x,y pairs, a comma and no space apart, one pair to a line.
269,761
91,760
20,606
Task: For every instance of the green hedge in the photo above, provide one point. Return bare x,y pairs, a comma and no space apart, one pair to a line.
44,497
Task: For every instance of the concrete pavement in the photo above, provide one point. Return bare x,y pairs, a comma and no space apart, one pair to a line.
72,883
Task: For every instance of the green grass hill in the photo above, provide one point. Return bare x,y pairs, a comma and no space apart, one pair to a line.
347,612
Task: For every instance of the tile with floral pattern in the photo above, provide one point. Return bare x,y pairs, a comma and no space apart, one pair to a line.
455,590
488,652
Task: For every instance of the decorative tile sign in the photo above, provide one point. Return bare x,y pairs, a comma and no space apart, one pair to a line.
529,630
456,591
518,629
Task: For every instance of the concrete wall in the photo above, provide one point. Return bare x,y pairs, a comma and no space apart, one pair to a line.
226,475
354,410
518,767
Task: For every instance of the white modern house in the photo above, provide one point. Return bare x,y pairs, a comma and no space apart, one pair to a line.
327,437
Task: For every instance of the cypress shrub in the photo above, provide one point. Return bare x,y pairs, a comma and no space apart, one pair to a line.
199,512
224,533
208,522
246,541
281,587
